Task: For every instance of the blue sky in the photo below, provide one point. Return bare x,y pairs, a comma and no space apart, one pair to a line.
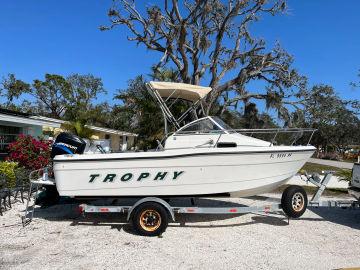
62,37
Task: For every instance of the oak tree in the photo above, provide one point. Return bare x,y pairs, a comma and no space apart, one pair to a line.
209,42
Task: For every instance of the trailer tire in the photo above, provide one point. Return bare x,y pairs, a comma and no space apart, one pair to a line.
150,219
294,201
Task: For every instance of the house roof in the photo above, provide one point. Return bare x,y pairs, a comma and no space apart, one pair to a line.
111,131
53,120
100,129
11,112
23,119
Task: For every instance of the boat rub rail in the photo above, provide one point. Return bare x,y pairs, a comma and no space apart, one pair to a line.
183,155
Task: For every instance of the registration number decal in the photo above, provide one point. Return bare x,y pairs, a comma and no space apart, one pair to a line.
280,155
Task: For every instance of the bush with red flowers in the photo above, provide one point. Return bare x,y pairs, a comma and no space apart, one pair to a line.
30,152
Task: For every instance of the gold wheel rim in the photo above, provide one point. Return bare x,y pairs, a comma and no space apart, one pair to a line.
150,220
298,202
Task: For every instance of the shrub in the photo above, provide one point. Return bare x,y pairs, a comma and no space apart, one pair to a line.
330,155
29,152
7,168
351,156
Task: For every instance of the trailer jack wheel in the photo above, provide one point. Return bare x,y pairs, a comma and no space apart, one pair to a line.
294,201
150,219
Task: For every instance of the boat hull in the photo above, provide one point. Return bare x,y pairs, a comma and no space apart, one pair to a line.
179,173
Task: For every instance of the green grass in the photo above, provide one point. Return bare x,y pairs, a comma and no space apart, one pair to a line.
318,168
350,160
311,168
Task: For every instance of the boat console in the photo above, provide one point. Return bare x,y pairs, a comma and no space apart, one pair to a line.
209,131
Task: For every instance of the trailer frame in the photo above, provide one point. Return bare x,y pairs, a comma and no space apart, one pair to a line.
129,210
315,179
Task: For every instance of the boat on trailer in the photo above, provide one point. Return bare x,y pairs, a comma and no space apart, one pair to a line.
202,158
205,157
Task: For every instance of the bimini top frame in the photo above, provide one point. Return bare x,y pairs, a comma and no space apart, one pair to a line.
163,92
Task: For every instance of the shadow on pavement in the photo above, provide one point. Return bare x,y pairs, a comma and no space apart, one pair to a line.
346,217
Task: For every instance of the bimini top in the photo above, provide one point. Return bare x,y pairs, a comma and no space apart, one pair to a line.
180,90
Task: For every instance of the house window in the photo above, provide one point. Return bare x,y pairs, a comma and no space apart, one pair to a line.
8,134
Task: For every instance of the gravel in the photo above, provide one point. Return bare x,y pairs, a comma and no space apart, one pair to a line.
59,238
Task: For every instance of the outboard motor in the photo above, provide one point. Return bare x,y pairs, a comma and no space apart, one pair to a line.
67,143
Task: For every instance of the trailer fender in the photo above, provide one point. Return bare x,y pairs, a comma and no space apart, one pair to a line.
152,199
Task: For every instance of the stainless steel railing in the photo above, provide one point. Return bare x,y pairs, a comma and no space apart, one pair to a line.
275,136
298,133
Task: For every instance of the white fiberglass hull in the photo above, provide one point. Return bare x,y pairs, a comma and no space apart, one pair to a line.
238,171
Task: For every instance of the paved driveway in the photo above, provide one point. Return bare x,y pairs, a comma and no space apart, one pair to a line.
323,238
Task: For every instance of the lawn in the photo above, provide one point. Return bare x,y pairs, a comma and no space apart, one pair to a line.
318,168
311,168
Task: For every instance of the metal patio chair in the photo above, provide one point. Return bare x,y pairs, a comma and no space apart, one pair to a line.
22,183
4,192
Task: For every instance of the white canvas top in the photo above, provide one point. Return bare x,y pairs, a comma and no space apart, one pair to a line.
182,90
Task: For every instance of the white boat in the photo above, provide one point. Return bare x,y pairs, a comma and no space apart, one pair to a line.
202,158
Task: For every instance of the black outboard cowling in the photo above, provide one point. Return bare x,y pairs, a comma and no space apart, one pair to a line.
67,143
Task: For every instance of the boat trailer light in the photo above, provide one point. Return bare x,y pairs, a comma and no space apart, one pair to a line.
81,208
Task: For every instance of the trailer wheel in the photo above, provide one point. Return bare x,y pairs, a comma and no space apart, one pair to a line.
294,201
150,219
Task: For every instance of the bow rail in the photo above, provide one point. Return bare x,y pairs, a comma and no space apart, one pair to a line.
278,137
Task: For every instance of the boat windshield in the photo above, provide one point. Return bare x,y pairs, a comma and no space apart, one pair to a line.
221,123
202,126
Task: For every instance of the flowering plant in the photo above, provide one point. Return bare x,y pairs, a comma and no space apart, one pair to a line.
29,152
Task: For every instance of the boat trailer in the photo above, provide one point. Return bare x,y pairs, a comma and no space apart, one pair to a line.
150,215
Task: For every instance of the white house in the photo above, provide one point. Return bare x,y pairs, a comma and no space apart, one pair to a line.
14,123
115,140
